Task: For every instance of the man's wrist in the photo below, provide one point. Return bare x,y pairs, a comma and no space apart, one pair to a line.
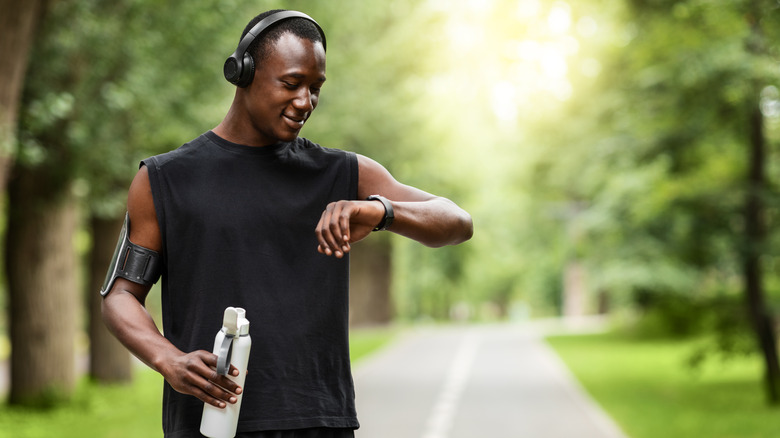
389,216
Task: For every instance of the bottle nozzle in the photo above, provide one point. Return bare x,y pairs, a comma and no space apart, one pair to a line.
230,320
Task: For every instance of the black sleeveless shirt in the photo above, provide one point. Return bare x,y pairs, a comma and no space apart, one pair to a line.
237,225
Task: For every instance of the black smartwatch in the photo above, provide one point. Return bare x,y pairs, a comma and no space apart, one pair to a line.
388,219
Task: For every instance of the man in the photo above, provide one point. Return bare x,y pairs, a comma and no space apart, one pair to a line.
229,218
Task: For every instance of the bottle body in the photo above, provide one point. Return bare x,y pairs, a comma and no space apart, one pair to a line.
222,423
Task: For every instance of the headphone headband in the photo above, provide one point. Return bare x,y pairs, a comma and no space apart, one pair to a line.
239,67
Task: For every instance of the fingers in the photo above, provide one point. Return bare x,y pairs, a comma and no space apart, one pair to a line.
213,393
333,231
345,222
223,382
195,374
234,371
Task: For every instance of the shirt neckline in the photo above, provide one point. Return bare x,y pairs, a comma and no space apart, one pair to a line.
272,149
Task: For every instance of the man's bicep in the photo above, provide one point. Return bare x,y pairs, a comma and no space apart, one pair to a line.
144,229
374,179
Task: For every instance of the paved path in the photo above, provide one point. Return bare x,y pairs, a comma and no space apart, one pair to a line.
498,381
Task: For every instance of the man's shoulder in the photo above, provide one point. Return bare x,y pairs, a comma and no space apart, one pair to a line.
304,144
310,154
182,152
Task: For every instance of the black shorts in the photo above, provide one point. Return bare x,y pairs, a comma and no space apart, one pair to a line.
317,432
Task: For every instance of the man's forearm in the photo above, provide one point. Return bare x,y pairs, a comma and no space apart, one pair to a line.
435,223
132,325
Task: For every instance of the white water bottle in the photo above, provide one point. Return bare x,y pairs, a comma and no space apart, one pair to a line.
232,346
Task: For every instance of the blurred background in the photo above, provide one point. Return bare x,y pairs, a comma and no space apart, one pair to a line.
619,159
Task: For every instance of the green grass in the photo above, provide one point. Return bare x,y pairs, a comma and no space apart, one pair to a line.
126,411
649,390
363,342
115,411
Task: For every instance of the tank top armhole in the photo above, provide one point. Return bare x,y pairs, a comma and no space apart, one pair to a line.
354,174
153,168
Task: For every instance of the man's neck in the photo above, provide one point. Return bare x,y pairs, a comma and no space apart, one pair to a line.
234,129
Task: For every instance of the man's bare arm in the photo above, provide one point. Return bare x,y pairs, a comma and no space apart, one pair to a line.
431,220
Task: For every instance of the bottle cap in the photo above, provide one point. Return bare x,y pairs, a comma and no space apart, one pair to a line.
230,321
241,322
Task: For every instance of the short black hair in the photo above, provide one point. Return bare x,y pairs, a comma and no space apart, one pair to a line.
261,46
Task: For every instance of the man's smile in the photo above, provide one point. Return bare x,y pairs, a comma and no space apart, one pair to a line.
294,121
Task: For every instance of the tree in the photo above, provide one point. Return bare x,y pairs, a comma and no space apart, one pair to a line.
755,211
672,166
40,257
18,26
41,269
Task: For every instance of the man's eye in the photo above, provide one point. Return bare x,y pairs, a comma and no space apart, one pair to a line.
290,85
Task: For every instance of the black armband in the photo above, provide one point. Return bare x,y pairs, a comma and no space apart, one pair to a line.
132,262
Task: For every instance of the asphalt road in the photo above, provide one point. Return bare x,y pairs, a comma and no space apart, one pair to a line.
498,381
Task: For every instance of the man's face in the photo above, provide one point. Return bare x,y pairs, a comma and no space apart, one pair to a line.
286,88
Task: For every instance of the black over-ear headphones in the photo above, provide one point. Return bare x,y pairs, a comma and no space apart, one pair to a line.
239,68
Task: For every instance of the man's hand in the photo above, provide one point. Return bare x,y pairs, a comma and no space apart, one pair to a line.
345,222
195,374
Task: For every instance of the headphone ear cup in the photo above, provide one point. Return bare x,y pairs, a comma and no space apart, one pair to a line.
232,70
247,71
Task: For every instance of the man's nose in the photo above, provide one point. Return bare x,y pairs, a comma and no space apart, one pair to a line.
305,100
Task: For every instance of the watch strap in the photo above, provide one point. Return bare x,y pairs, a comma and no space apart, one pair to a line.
387,220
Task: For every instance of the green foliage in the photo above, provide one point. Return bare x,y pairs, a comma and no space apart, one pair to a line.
645,386
381,57
720,322
652,159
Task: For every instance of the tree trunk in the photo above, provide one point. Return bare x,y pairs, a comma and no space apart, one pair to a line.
110,361
755,228
370,302
574,290
755,240
18,23
41,269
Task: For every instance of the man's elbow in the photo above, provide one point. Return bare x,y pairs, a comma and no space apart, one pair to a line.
468,228
465,228
460,230
461,226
